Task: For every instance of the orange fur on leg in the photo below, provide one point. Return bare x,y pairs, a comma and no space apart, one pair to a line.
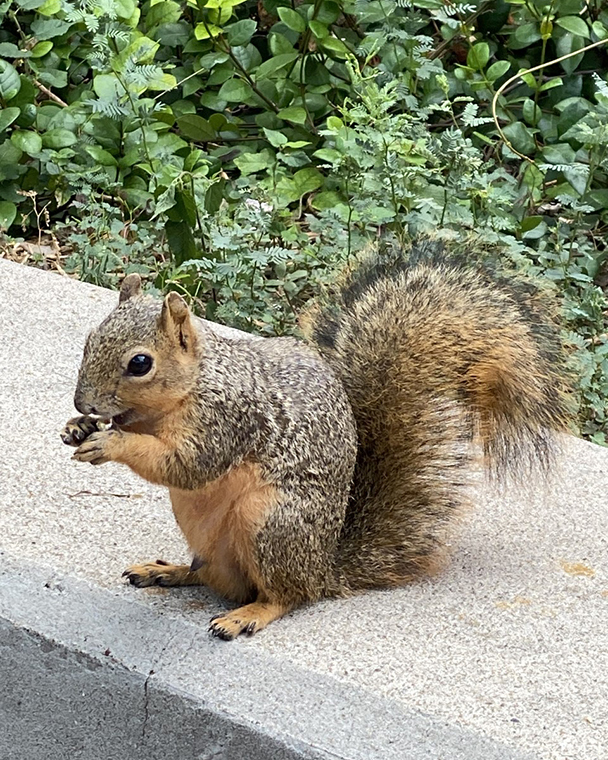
248,619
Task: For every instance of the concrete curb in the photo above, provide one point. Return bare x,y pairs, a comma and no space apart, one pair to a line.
99,676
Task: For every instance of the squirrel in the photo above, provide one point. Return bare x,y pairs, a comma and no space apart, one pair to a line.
299,470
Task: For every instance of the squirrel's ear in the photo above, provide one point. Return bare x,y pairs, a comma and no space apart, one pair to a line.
130,287
175,320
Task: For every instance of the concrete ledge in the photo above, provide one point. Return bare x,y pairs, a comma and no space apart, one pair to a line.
504,656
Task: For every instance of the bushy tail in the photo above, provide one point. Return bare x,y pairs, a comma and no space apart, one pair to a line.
433,353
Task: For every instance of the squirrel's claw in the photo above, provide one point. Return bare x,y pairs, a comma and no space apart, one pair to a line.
159,573
248,619
95,448
222,628
228,627
78,429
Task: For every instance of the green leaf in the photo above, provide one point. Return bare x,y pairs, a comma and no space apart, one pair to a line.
219,122
249,163
497,70
196,128
297,144
214,197
185,208
274,64
528,78
107,86
27,116
560,153
275,138
141,50
569,43
162,81
329,155
124,8
227,4
575,25
181,241
135,197
335,46
10,154
204,31
520,137
58,138
599,198
555,82
534,228
8,116
8,212
235,91
326,199
10,83
294,113
29,5
211,60
54,78
248,56
28,142
211,101
220,74
50,7
41,49
101,156
600,31
307,180
327,12
172,35
166,12
46,29
478,56
241,32
279,44
483,138
525,35
292,19
10,50
531,112
318,29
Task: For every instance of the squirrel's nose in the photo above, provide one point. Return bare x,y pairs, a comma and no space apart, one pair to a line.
82,406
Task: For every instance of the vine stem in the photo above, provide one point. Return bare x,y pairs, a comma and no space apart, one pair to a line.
517,76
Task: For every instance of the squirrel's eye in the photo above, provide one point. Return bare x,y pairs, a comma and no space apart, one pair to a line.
139,365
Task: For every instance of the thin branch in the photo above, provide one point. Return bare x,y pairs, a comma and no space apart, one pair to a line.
50,94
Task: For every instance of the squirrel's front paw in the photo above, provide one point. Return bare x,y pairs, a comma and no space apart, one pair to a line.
79,429
99,447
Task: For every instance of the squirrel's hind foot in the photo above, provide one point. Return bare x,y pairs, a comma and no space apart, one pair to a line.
248,619
161,573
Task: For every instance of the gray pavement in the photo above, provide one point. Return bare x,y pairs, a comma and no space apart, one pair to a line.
504,656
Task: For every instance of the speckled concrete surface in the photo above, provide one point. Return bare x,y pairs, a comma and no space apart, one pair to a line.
508,647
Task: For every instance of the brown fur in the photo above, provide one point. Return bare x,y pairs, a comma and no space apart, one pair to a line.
282,498
433,353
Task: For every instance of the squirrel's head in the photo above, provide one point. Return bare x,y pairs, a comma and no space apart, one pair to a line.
142,361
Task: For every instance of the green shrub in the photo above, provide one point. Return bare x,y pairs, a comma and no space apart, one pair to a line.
240,151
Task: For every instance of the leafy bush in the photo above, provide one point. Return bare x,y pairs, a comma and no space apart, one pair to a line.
239,150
